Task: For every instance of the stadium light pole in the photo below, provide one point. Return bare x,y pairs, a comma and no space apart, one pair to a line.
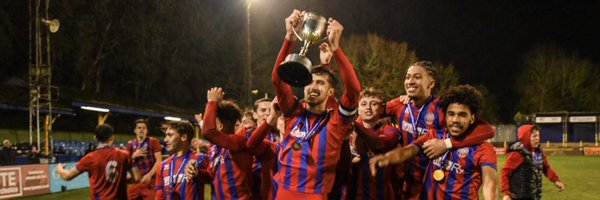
248,78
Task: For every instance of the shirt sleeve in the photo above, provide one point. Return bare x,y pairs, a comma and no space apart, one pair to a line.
390,136
513,161
232,142
392,107
352,86
288,103
130,147
84,164
419,142
155,145
486,156
480,133
548,171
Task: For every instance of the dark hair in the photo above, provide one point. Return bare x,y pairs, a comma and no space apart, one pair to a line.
322,70
229,113
144,121
183,128
428,66
462,94
535,128
104,132
372,92
260,101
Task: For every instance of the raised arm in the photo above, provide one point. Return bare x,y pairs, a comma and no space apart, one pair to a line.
395,156
233,142
351,95
381,139
480,132
283,91
66,174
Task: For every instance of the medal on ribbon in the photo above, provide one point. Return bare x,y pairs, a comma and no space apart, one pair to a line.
309,132
438,175
296,146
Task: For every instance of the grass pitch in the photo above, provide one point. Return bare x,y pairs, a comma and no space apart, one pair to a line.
580,174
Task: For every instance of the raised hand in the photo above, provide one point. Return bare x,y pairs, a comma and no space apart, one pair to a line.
274,114
325,54
215,94
293,22
334,31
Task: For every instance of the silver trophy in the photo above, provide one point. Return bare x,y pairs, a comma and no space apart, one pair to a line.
295,69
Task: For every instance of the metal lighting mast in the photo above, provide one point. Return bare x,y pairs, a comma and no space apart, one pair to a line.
40,71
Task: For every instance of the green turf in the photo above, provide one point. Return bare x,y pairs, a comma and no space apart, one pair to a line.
580,174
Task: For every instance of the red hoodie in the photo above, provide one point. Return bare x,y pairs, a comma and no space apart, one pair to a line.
515,159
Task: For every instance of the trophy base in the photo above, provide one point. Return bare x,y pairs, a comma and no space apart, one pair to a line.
295,70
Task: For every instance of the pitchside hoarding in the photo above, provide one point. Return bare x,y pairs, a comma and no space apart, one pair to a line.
24,180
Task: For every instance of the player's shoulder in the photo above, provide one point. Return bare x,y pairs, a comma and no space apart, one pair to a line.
486,147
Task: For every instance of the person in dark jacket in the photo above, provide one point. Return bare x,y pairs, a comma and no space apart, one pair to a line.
7,154
522,174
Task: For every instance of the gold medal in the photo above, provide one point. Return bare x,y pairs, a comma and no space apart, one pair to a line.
169,189
356,159
438,175
296,146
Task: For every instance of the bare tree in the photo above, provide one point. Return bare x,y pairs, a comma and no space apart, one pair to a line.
555,80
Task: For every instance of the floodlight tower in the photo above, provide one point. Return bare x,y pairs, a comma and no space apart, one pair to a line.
40,71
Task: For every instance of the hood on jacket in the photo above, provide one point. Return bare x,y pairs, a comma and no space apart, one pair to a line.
524,134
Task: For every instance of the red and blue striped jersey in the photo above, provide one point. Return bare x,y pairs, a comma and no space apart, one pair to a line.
145,163
425,119
231,180
462,168
362,185
107,168
308,156
171,182
230,160
311,167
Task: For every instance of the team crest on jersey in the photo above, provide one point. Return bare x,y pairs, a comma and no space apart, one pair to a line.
407,126
296,132
166,166
429,118
463,152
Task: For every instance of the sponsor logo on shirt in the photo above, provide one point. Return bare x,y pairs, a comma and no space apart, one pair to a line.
429,118
463,152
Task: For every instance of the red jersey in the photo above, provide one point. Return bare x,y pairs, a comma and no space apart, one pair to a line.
172,183
145,163
362,184
462,169
264,150
414,122
230,162
107,168
429,118
310,148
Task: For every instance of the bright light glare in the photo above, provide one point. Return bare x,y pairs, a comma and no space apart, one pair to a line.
173,118
92,108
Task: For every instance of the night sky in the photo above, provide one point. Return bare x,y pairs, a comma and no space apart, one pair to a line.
485,41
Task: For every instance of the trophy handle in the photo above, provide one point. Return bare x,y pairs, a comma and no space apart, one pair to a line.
296,33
